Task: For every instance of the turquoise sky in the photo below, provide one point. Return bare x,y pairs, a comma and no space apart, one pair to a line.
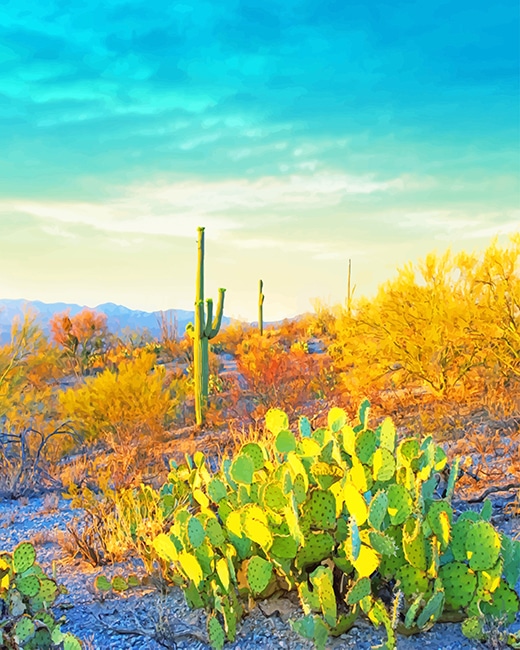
299,135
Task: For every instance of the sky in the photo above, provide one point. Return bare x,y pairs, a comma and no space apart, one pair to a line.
300,134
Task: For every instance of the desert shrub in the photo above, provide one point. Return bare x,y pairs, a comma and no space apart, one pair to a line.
276,373
83,339
449,326
133,399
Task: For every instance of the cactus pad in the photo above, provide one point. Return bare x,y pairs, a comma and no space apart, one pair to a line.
482,546
242,469
399,504
284,546
321,509
360,589
356,504
255,452
28,585
24,556
432,610
196,532
459,583
378,509
258,572
383,465
316,547
322,580
440,516
382,543
216,490
365,447
276,420
412,581
214,532
216,633
504,601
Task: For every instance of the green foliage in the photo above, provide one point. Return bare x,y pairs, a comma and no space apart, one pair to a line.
322,516
26,597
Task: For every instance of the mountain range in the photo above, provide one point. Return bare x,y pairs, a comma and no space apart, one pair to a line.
119,318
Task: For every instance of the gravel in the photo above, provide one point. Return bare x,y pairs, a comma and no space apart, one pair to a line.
112,622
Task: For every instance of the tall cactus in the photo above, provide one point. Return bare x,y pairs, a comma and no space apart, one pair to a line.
261,307
205,328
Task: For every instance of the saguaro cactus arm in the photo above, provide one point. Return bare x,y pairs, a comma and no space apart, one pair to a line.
213,325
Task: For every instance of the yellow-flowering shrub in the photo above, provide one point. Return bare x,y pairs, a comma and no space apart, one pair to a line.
136,398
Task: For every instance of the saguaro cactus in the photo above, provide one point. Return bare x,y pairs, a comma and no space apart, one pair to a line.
206,327
261,307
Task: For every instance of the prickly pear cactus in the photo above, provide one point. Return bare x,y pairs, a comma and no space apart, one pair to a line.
342,515
26,597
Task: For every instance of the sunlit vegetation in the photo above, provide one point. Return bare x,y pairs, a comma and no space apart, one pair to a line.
108,419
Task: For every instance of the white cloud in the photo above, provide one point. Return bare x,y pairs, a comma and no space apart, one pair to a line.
177,208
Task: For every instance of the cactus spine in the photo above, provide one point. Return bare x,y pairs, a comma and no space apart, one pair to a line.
261,307
206,327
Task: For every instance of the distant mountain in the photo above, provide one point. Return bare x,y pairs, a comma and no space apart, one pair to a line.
118,317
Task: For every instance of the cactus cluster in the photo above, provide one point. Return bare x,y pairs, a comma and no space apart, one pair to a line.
26,596
347,517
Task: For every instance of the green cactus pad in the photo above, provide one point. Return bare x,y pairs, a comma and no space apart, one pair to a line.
504,602
24,629
378,509
366,443
216,633
382,543
322,580
102,583
299,489
242,469
48,590
459,583
255,452
285,442
432,610
24,556
41,640
440,516
28,585
215,532
284,547
216,490
511,555
276,421
196,532
321,509
473,628
459,533
387,435
383,465
273,497
258,572
316,547
413,610
412,581
414,544
119,584
309,599
399,504
360,589
312,627
482,546
407,451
